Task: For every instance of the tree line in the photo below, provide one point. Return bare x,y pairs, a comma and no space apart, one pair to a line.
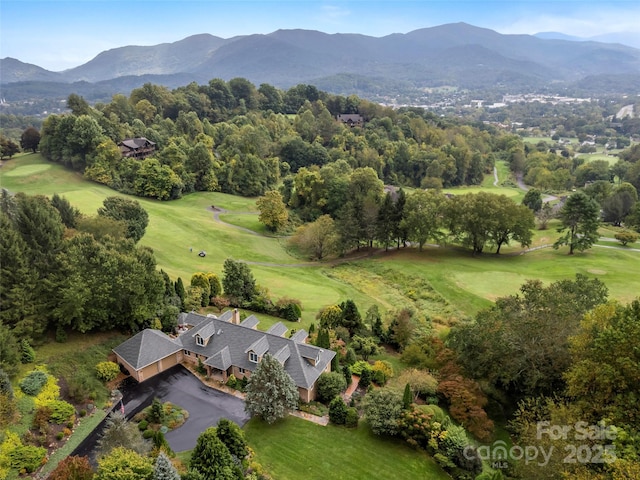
234,138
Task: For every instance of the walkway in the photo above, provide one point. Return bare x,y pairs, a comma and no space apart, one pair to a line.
355,380
238,394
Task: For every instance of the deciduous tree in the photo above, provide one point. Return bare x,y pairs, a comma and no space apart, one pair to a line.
273,211
580,217
128,211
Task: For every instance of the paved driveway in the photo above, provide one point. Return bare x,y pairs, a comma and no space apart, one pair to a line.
205,405
177,385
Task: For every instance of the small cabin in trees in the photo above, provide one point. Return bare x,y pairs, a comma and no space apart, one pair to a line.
137,148
351,119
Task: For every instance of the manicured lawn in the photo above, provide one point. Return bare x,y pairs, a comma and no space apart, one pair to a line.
294,448
457,282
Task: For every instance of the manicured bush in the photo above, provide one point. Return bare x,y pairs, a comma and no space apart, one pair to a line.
382,372
232,382
33,382
329,385
358,367
337,411
365,378
73,468
60,435
142,426
107,371
28,457
61,411
49,393
156,413
149,433
351,418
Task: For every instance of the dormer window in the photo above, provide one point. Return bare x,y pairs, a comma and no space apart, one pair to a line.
199,340
253,357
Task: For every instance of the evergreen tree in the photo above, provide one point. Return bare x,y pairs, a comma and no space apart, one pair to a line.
212,459
337,411
270,392
120,433
180,292
407,397
163,469
351,318
232,436
68,213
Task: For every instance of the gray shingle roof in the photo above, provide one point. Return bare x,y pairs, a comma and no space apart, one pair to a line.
250,322
283,354
277,329
147,347
229,345
300,336
220,360
206,331
260,346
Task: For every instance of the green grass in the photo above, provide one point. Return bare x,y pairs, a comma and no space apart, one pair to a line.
294,448
246,221
466,283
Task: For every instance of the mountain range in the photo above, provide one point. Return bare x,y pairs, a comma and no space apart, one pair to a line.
458,54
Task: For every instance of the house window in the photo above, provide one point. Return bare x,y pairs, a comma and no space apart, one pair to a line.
199,340
241,370
187,353
253,357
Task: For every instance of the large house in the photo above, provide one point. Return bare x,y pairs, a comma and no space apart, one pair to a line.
225,346
137,148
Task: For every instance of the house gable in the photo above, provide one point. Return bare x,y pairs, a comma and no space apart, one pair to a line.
232,345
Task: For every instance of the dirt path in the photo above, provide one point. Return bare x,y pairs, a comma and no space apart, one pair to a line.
495,175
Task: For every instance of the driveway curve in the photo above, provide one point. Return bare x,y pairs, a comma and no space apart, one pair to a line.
179,386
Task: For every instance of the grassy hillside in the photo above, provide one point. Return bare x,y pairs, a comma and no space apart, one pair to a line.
446,283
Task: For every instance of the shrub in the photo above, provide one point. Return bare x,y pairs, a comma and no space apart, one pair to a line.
382,372
41,418
142,426
59,435
346,371
351,418
329,385
5,384
149,433
73,468
365,378
61,334
156,413
27,457
33,382
27,353
49,393
107,371
61,411
83,412
358,367
337,411
232,381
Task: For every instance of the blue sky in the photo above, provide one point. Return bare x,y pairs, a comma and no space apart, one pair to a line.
62,34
